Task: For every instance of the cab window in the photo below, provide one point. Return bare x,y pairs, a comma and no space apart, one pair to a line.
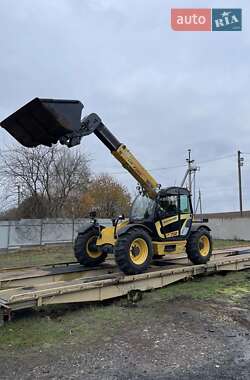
169,205
184,204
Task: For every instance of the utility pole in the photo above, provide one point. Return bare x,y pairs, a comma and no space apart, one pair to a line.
190,162
18,195
194,188
191,171
200,201
240,164
188,173
198,204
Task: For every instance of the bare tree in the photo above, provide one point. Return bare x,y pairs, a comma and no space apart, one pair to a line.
44,177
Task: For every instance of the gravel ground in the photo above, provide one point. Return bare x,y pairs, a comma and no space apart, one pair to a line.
175,339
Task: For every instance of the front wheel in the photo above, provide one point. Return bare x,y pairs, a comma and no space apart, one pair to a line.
86,250
134,251
199,247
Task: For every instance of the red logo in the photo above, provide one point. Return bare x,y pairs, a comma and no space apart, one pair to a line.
191,19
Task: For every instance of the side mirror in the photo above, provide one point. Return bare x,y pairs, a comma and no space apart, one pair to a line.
92,214
122,217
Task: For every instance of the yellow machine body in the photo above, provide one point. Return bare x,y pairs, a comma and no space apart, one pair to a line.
109,235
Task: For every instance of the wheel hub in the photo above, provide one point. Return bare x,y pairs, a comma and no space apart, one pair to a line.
138,251
135,250
92,246
204,245
201,245
92,249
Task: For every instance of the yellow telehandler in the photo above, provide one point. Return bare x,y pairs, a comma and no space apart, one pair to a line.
161,219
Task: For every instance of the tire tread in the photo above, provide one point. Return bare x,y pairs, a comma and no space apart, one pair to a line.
122,254
192,249
80,255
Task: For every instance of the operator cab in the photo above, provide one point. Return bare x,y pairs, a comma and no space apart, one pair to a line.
169,215
169,201
174,200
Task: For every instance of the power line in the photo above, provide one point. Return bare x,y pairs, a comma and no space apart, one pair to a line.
178,166
152,170
218,159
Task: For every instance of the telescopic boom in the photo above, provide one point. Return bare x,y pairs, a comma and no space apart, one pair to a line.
47,121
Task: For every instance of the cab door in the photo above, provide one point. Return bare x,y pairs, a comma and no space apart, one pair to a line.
167,216
185,215
174,217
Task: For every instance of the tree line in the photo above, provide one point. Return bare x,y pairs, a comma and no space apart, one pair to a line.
56,182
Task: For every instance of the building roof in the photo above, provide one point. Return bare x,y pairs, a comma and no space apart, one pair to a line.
231,215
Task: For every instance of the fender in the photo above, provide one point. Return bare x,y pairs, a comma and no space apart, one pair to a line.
128,227
199,226
88,226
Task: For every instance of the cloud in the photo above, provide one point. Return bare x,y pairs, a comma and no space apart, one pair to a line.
161,92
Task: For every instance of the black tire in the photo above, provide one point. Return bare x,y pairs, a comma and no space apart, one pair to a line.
86,252
199,247
134,259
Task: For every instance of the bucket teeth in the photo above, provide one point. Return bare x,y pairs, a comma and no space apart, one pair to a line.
44,121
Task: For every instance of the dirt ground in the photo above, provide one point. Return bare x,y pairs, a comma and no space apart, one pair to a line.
191,330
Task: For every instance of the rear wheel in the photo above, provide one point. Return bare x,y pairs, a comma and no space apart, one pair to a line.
134,251
199,247
86,250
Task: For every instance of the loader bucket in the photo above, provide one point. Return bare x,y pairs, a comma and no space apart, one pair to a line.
44,121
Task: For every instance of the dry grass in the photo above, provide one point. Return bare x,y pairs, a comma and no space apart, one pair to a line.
37,256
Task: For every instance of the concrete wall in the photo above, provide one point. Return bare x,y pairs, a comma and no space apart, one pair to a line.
230,228
38,232
4,232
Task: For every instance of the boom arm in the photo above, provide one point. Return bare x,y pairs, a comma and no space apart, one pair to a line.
93,124
47,121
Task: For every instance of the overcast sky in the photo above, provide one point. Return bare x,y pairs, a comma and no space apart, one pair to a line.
161,92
